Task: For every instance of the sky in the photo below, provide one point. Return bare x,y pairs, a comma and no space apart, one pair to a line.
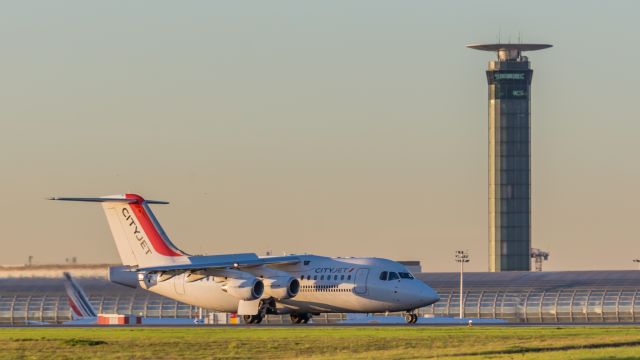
342,128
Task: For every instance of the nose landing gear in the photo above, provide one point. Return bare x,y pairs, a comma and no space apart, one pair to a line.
411,318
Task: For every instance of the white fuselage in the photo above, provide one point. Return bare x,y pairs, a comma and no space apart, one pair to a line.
326,285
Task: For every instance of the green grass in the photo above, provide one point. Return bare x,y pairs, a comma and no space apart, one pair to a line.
322,343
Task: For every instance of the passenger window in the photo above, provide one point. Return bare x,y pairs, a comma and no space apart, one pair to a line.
321,277
342,277
302,277
393,276
349,277
383,276
335,277
315,277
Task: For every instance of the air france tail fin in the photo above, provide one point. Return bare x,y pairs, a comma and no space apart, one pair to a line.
81,308
140,239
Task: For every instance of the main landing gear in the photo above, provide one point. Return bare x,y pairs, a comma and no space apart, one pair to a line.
267,306
252,319
411,318
300,318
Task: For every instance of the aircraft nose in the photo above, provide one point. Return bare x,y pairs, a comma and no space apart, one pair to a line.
428,296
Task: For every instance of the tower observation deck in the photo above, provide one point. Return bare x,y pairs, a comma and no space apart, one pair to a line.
509,79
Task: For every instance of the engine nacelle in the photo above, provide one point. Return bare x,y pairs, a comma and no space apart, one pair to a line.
281,287
244,289
277,283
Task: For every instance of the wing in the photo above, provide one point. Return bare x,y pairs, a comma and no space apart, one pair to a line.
224,262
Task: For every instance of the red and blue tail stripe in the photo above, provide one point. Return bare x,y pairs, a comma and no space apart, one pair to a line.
78,301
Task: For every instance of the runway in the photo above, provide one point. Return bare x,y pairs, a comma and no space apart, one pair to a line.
316,326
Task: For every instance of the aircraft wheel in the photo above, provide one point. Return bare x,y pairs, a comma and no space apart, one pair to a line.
295,318
252,319
415,318
306,318
408,317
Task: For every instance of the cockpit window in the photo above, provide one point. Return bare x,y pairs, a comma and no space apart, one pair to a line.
406,275
393,276
383,275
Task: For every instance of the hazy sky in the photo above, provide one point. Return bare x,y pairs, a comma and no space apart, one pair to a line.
330,127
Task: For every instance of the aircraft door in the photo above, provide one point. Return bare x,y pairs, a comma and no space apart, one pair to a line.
178,283
361,281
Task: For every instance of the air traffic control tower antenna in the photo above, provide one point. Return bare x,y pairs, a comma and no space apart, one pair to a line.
509,79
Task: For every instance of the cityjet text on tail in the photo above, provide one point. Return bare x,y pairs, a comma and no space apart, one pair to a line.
252,285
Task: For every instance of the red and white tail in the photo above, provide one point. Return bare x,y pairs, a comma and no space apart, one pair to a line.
140,239
79,303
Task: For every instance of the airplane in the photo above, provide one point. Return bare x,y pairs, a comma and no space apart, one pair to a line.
251,285
82,312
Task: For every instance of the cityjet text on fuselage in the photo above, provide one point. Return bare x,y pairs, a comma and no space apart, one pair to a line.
333,270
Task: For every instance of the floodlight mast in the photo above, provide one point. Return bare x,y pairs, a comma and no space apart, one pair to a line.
538,256
461,257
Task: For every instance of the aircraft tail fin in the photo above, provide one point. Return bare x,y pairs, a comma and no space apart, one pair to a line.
79,303
140,239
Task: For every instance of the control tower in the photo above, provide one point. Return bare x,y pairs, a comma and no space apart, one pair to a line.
509,79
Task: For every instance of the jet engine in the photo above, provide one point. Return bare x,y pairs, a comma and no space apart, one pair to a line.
278,284
244,289
281,287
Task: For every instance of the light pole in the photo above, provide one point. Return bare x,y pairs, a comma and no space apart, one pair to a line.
462,257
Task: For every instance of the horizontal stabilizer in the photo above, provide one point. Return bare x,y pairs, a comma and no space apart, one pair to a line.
106,199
